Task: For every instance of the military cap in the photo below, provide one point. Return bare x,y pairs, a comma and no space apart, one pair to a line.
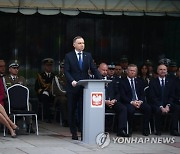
173,64
111,66
49,61
148,62
124,58
165,61
13,64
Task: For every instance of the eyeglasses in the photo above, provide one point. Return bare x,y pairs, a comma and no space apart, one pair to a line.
16,68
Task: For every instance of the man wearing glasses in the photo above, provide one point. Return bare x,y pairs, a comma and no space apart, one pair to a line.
13,77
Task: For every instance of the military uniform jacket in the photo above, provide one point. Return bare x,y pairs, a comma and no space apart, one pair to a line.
18,80
43,83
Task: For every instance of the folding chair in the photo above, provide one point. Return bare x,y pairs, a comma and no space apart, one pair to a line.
18,99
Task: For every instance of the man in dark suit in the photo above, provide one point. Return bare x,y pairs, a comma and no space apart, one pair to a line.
113,104
132,95
77,64
161,94
176,102
117,78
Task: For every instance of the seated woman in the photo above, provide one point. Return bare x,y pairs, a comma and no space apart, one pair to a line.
4,119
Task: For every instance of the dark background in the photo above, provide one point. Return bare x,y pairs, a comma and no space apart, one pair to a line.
35,37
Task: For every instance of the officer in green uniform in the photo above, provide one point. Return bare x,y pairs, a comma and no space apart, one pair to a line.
59,91
14,78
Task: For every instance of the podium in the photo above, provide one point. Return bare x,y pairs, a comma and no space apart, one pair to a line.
93,109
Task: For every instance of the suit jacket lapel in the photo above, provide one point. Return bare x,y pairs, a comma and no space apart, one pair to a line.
76,59
127,81
136,85
166,82
84,60
158,84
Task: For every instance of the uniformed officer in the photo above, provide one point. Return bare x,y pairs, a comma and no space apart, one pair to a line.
43,88
59,92
14,78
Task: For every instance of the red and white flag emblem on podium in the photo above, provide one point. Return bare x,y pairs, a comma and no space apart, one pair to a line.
96,99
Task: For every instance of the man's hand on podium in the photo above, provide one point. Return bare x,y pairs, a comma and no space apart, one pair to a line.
74,83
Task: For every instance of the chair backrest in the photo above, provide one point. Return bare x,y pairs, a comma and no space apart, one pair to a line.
18,97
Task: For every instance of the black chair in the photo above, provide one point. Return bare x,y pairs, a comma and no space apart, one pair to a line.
137,113
110,113
18,99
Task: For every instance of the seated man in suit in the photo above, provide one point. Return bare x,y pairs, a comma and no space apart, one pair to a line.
161,94
113,104
133,97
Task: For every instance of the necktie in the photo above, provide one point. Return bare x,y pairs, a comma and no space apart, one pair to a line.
162,90
162,83
80,60
133,90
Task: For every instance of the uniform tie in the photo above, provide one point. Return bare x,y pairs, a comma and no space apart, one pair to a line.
13,78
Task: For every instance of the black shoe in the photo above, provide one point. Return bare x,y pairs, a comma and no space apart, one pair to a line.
158,133
145,133
14,136
74,137
122,134
17,130
175,133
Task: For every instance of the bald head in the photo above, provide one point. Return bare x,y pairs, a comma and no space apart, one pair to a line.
103,68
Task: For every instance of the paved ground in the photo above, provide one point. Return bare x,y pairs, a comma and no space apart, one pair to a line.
54,139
